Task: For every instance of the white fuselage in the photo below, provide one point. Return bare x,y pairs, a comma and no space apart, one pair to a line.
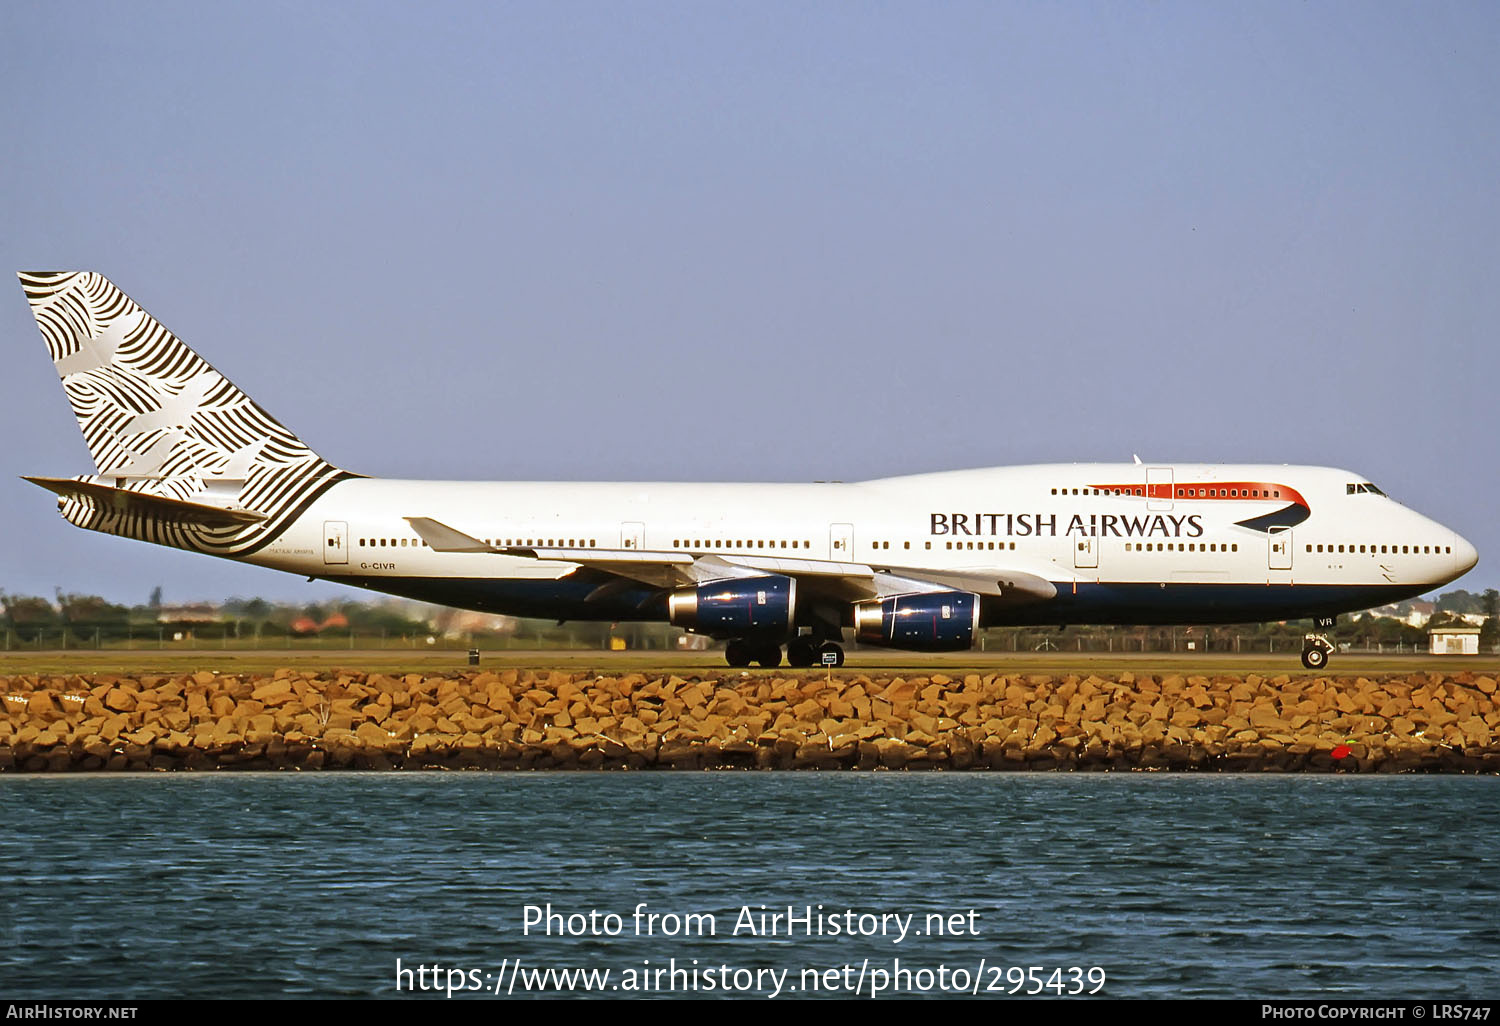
1072,524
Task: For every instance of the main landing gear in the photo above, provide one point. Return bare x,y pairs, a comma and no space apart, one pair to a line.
742,652
801,652
808,652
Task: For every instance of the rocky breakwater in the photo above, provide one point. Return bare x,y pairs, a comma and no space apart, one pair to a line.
553,720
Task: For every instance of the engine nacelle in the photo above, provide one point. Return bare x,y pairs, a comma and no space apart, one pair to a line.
741,607
943,621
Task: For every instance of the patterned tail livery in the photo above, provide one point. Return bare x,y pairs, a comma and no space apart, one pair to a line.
184,458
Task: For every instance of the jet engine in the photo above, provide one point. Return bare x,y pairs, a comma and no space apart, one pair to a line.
740,607
943,621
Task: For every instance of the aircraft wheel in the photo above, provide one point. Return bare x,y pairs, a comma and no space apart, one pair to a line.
1314,658
738,653
801,653
836,649
768,655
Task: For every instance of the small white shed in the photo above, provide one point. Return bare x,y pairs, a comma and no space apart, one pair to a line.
1454,640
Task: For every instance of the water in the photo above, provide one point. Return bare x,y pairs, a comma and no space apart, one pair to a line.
240,885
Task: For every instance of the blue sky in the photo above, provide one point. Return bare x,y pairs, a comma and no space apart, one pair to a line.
575,241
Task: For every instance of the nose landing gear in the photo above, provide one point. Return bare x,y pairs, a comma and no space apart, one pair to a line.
1315,651
1316,648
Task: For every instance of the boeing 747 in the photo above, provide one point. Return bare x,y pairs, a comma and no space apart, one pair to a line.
924,563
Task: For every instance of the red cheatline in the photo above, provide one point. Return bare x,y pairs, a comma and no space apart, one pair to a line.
1342,752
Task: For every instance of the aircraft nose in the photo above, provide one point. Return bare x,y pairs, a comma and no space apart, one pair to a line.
1464,554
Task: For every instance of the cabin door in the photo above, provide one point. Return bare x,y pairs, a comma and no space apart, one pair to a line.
1280,540
1159,489
1086,553
632,536
841,542
335,542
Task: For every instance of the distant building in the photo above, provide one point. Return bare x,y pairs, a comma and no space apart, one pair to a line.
455,623
1454,640
194,612
1420,613
1413,614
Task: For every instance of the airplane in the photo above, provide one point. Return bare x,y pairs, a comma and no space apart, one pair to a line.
921,563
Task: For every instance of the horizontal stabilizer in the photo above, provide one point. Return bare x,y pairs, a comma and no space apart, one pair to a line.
127,501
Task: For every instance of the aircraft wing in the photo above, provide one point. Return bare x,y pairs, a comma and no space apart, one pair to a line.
850,582
660,569
1014,587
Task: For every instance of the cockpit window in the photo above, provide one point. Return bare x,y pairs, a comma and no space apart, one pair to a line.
1354,489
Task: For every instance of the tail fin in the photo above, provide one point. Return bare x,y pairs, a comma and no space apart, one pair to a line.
159,420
